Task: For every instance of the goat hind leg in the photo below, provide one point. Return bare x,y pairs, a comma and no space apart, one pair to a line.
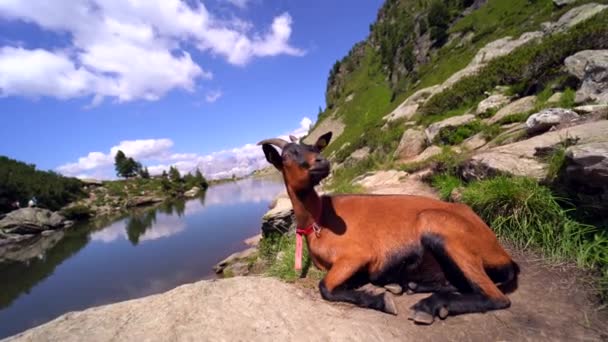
334,287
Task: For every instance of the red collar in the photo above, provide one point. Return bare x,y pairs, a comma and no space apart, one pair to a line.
313,227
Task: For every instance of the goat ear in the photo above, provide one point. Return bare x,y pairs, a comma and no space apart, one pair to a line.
323,141
272,156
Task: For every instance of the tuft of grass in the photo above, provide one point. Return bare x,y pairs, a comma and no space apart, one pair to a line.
519,117
490,132
278,252
445,184
530,215
567,99
456,135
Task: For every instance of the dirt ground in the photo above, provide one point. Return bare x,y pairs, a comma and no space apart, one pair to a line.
554,302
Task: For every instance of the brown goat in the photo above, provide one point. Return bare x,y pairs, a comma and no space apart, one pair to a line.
421,243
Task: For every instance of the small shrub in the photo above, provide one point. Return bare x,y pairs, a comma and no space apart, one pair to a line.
490,132
278,252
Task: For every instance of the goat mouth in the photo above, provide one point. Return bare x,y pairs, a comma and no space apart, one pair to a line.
318,174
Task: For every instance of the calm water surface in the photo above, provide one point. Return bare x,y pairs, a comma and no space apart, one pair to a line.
146,252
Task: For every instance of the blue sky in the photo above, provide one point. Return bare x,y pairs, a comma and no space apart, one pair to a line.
170,82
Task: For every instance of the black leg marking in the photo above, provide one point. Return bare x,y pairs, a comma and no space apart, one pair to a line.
381,302
457,304
454,275
430,287
506,276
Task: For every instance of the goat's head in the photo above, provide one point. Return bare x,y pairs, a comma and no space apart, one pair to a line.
302,165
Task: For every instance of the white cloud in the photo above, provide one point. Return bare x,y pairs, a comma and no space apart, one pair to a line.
238,161
128,50
242,4
213,96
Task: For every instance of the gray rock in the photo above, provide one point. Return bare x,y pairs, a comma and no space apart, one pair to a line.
31,220
280,218
434,129
525,104
408,108
360,154
143,200
413,141
520,159
475,142
192,192
428,153
561,3
547,118
589,109
27,247
555,98
574,16
591,67
234,259
586,173
493,102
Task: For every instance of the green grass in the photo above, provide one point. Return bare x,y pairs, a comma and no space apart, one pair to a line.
530,215
567,99
278,252
445,184
456,135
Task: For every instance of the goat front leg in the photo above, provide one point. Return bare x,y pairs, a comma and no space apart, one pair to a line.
334,287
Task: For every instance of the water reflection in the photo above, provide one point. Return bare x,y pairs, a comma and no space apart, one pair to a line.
145,252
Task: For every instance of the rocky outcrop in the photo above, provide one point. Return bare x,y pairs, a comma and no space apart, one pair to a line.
428,153
138,201
395,182
31,221
434,129
280,217
413,141
408,108
573,17
475,142
523,105
591,67
586,173
356,156
332,124
521,158
236,264
192,192
548,118
493,102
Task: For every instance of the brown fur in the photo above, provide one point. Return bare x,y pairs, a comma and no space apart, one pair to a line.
364,233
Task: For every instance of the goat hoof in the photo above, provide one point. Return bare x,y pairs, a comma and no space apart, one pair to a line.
443,312
389,304
412,286
410,292
421,317
395,289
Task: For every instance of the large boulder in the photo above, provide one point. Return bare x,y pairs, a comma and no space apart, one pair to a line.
411,144
521,158
586,173
31,221
408,108
434,129
280,218
591,67
236,264
493,102
395,182
547,118
523,105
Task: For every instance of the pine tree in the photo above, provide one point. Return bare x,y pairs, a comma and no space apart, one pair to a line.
200,179
119,162
174,174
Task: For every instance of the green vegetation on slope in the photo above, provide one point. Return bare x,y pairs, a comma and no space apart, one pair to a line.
20,182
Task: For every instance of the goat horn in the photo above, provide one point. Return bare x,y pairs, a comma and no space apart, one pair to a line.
280,143
293,139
